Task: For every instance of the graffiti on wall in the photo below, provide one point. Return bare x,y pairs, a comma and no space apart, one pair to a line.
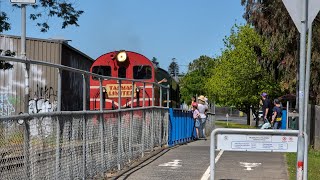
45,92
7,105
44,100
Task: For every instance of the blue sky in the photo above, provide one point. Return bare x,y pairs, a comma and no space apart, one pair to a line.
166,29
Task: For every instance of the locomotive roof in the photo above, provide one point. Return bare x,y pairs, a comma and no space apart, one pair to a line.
125,51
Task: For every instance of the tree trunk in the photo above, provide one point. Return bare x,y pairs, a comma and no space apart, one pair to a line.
255,110
247,111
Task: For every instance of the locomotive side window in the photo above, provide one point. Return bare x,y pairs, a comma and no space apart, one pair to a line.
122,72
142,72
101,70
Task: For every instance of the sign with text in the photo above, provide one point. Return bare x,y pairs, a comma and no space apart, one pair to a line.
113,90
264,143
294,9
23,1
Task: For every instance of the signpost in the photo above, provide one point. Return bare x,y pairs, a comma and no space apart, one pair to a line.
23,1
23,4
303,13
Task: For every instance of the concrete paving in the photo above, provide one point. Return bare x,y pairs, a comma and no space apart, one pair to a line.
191,161
251,166
184,162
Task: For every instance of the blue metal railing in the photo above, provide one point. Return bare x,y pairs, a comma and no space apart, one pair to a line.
181,127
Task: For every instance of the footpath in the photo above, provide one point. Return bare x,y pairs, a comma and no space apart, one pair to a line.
191,161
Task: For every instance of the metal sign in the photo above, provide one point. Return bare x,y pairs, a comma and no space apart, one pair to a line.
294,9
313,9
255,143
23,1
253,140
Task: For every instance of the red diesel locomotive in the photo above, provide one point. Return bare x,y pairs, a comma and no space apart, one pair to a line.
130,65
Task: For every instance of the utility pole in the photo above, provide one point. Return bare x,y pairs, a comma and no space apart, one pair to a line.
26,153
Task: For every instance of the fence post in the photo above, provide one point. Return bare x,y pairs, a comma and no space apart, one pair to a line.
143,120
168,115
26,148
58,124
101,124
160,101
144,94
160,127
119,128
26,133
152,119
160,119
84,128
131,123
168,96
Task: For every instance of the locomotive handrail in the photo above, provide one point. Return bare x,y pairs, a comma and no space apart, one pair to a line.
64,113
21,60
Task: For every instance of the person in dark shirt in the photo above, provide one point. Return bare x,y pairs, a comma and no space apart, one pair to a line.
277,114
266,107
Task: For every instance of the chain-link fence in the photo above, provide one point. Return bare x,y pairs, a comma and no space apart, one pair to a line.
210,123
46,142
78,146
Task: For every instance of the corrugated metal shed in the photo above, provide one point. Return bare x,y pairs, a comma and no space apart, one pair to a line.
43,80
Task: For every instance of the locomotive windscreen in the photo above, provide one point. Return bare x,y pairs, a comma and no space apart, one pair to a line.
101,70
142,72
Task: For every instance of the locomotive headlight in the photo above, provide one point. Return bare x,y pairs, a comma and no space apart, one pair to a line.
122,56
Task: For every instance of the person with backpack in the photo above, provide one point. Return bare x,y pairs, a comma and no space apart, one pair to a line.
277,115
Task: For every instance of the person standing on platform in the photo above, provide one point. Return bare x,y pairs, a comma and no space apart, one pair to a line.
277,115
196,117
203,108
266,107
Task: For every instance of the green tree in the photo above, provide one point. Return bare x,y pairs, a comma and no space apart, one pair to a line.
43,9
193,82
173,68
154,60
271,20
65,10
5,65
238,78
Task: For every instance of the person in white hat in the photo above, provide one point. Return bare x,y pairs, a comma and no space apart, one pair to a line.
203,108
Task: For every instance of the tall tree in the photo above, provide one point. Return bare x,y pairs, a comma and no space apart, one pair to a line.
154,60
199,70
65,10
173,68
43,9
238,78
271,20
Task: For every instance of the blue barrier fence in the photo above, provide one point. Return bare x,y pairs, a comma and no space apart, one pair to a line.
284,119
181,129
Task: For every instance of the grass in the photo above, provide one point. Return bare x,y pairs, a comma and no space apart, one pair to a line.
224,124
313,164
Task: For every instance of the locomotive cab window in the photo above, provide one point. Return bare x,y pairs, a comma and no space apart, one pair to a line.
142,72
122,72
101,70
